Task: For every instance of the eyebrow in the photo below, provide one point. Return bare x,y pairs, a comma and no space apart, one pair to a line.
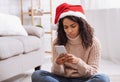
70,25
73,24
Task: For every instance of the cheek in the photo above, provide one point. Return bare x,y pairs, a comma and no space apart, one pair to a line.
76,34
77,30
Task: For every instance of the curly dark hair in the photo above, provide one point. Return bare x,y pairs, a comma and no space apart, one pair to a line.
85,31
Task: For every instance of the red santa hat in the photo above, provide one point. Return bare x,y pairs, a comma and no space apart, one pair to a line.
67,9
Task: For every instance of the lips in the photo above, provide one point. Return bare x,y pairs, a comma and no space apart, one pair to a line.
71,36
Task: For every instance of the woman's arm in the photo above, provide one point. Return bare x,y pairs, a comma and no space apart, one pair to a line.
91,67
56,68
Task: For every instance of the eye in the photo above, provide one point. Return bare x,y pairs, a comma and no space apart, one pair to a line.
65,27
73,26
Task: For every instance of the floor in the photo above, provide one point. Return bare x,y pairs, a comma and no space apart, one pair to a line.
111,69
26,77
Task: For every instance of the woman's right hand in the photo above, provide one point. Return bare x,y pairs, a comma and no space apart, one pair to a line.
61,59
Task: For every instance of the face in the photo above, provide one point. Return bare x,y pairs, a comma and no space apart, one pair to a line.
71,28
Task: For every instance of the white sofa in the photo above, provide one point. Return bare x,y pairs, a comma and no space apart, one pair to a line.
19,53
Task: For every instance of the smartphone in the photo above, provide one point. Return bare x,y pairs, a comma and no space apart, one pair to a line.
60,49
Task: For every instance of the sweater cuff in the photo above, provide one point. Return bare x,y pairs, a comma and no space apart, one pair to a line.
82,67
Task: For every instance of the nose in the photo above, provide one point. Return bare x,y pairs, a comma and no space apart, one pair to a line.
69,30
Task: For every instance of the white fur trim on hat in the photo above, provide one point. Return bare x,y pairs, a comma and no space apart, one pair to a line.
75,13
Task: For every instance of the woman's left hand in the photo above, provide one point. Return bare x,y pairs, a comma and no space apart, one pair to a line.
72,59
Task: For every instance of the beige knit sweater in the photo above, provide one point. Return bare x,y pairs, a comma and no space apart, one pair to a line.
88,59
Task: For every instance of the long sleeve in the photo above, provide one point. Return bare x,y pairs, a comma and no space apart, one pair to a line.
56,69
91,66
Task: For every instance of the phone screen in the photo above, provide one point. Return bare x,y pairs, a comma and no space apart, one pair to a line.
60,49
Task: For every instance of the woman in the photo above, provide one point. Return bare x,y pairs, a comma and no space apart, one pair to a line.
81,62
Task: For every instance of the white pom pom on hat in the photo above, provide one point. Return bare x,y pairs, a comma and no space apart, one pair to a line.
54,26
65,9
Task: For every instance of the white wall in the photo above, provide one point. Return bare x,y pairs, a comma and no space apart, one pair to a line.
100,4
10,7
107,27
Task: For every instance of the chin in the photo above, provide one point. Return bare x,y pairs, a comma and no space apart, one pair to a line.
72,37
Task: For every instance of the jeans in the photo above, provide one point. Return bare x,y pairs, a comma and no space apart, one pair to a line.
44,76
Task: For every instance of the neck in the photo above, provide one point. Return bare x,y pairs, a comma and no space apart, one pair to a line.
76,40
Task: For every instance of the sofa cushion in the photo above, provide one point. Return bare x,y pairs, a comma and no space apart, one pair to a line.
11,25
34,31
30,43
10,47
14,45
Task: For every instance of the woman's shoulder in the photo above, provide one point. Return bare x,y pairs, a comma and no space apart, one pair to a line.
96,41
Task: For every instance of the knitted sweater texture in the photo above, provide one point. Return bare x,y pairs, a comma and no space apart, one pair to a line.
88,59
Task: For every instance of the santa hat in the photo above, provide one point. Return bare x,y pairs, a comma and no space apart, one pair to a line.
67,9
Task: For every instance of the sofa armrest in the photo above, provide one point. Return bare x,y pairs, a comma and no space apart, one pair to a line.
34,31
